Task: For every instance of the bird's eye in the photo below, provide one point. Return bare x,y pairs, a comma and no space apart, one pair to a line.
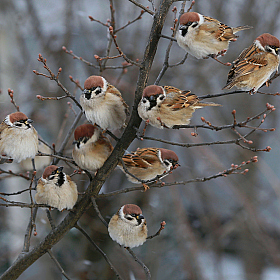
166,162
195,24
98,91
129,218
161,97
54,172
144,100
18,124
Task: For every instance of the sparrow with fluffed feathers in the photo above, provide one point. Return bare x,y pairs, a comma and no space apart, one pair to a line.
255,64
103,104
56,189
149,163
91,148
18,138
128,226
203,36
166,106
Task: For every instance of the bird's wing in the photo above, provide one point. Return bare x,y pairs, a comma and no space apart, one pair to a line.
143,157
222,31
249,60
177,99
3,125
115,91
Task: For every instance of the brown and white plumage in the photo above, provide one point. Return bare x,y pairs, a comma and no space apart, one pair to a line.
18,138
103,103
148,163
203,36
166,106
255,64
128,226
91,148
56,189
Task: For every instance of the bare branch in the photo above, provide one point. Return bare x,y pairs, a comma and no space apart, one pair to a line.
142,7
146,269
99,250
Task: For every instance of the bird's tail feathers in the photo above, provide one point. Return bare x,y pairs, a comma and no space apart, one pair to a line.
200,104
228,85
239,28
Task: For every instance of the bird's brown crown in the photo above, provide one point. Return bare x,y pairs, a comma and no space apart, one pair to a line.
267,39
132,209
152,90
18,116
93,81
48,171
84,130
189,17
168,154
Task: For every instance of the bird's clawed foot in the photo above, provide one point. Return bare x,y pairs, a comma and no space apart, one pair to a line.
146,187
221,53
161,122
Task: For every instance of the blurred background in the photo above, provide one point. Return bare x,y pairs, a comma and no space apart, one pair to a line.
227,228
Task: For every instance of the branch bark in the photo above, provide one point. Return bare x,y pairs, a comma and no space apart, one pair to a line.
26,260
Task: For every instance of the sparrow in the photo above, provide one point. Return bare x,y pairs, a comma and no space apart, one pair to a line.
203,36
18,138
128,226
103,104
255,64
56,189
91,148
148,163
166,106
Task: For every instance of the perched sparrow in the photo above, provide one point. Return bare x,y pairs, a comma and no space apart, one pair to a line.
91,148
166,106
56,189
203,36
148,163
128,226
255,64
103,103
18,138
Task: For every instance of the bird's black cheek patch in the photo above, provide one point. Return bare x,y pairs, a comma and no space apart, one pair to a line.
60,180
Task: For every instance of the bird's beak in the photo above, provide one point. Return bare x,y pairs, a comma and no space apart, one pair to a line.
28,121
151,98
59,169
75,142
140,217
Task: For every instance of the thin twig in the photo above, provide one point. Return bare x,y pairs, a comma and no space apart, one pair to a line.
112,33
146,269
162,225
58,264
130,22
233,170
55,78
142,7
95,206
50,219
14,174
29,230
11,94
99,250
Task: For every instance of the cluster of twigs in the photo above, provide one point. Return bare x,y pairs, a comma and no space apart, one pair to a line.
93,191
